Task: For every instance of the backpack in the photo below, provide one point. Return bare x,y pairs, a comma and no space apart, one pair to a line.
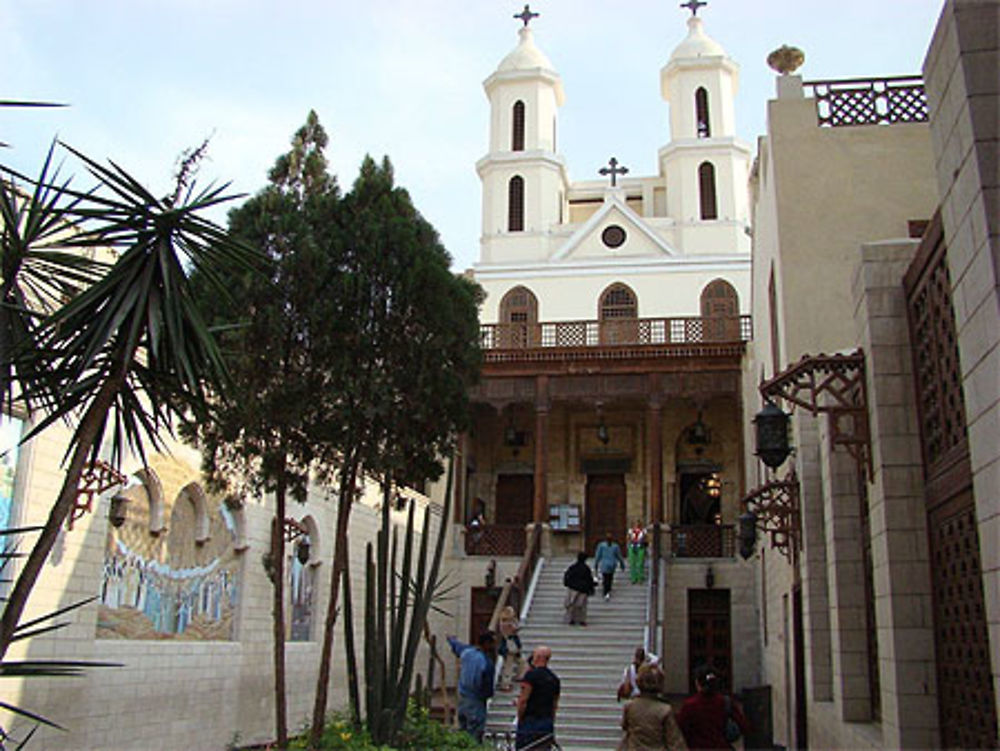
732,730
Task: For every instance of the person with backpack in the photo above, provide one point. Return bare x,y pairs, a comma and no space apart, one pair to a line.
709,719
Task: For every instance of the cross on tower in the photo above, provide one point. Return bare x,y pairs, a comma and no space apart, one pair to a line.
526,15
614,170
694,5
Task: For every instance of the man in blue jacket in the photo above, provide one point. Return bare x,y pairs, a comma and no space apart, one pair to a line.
606,557
475,682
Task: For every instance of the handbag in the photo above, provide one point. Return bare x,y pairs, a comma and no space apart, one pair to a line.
731,731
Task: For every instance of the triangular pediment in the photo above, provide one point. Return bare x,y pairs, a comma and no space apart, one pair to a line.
596,238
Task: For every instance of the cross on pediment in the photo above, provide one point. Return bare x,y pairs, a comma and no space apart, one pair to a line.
693,5
526,15
614,170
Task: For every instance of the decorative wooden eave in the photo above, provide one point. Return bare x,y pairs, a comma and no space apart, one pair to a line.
98,477
776,506
834,385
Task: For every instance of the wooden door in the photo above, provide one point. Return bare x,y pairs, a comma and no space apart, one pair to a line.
605,510
709,634
484,601
515,494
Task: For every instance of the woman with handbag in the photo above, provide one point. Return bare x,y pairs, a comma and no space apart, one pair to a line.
648,723
709,719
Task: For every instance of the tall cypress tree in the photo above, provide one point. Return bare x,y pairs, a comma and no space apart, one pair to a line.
413,333
270,435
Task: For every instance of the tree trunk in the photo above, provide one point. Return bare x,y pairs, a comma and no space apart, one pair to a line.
278,610
87,432
349,473
353,688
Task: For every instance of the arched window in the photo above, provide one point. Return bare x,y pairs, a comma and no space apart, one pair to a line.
619,313
701,112
706,191
518,319
719,299
720,309
519,305
515,204
517,127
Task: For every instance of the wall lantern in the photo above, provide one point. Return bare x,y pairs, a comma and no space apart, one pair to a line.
117,510
709,578
747,534
774,508
510,435
98,477
771,425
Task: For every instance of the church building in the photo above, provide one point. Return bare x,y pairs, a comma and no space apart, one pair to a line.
613,330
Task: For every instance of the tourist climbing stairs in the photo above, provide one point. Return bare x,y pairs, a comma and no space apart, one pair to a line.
588,660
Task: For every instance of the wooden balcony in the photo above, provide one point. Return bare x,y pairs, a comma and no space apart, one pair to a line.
610,340
496,540
703,540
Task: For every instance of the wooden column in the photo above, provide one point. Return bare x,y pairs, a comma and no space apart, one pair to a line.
654,415
540,512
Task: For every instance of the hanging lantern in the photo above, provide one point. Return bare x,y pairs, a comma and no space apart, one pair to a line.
117,510
747,533
772,435
602,433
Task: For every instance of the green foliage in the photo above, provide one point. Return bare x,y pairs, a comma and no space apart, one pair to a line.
419,733
129,351
272,428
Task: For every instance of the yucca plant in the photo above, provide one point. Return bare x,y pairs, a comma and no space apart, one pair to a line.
128,352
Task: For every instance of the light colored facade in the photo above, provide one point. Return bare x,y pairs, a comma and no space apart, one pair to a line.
183,606
863,643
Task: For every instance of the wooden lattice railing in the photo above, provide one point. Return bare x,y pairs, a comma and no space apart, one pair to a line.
495,540
703,540
629,331
867,101
515,590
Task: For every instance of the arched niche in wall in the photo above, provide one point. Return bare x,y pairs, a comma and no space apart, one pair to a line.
154,495
195,495
235,507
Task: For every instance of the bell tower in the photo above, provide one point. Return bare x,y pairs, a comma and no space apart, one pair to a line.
524,180
704,164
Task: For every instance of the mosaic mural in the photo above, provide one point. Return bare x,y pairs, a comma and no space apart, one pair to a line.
179,584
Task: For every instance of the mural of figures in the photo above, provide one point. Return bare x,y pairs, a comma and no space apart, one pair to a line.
172,585
301,580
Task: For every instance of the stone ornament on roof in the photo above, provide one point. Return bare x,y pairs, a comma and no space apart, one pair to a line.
786,59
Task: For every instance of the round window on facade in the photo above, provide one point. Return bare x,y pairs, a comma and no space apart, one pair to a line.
613,236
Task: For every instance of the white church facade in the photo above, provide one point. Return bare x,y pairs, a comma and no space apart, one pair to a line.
614,326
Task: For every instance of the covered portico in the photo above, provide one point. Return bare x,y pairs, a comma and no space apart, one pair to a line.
589,437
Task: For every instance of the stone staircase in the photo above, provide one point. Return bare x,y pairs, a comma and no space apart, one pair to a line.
588,660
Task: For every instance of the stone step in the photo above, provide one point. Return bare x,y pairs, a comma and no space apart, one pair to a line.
588,660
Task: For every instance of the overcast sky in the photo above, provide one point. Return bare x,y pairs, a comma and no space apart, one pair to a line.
148,78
